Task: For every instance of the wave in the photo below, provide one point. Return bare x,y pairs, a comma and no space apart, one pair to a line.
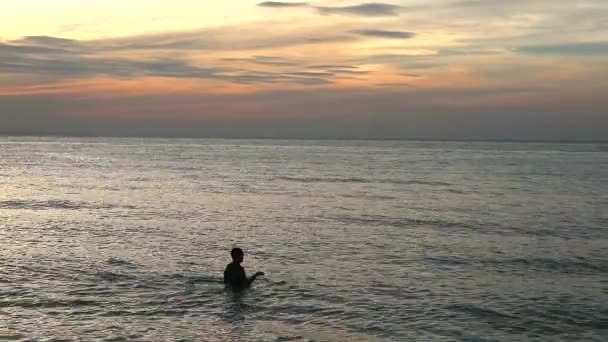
89,187
559,265
8,336
121,262
448,260
112,276
478,311
58,204
364,195
362,180
47,303
400,222
143,312
539,264
404,222
194,278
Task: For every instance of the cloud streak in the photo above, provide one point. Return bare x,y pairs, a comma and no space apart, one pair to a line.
264,60
370,9
67,28
277,4
569,49
385,34
238,37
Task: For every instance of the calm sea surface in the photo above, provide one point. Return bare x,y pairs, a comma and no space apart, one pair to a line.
127,239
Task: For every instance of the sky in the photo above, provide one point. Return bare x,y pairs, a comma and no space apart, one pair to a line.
401,69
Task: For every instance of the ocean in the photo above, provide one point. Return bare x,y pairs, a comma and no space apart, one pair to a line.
126,239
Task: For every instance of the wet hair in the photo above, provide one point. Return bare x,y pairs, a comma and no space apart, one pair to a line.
236,252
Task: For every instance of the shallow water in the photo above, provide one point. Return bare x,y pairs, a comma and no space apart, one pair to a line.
126,239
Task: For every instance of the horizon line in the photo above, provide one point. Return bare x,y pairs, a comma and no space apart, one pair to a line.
120,136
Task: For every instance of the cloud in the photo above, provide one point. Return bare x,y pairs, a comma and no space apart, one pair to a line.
469,52
312,74
333,66
38,45
277,4
265,60
62,29
404,61
45,40
385,34
300,78
430,59
396,85
43,56
237,37
274,60
7,50
47,56
570,49
248,36
82,67
371,9
340,70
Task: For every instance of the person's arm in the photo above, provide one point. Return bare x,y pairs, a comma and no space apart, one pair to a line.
253,277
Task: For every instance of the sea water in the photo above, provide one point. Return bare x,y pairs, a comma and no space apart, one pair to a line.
126,240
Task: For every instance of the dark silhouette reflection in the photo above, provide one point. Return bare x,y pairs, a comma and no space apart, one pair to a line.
234,274
234,315
235,307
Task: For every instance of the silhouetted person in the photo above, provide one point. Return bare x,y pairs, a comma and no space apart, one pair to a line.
234,275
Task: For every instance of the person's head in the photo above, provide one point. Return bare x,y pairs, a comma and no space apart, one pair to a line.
237,255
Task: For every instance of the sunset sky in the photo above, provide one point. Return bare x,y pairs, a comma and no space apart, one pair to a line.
432,69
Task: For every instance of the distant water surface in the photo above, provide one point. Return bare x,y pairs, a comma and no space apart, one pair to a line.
126,239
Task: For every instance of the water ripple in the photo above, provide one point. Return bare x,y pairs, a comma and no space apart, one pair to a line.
362,180
57,204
